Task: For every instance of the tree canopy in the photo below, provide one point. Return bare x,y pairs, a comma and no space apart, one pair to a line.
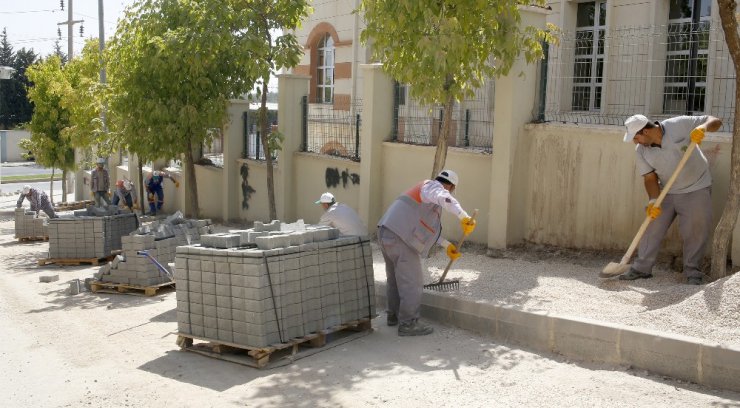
173,66
445,49
15,108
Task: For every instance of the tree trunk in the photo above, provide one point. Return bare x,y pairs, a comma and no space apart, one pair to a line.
191,194
143,200
64,186
440,155
268,154
51,187
723,232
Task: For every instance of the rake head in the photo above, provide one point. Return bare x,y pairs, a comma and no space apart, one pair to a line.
445,286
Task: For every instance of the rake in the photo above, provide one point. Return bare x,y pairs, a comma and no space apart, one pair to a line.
442,285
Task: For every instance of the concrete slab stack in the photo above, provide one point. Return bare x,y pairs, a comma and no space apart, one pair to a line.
27,225
88,237
159,240
255,297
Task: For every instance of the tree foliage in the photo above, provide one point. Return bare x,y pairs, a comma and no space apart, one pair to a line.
445,49
173,66
50,117
15,108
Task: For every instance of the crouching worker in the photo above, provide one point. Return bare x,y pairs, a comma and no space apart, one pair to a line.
125,194
38,199
155,190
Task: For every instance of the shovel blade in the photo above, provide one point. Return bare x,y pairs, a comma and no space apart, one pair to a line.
614,269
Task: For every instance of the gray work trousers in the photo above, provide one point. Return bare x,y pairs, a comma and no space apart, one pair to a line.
694,211
100,197
404,275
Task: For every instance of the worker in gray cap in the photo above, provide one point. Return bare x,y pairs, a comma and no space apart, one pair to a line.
341,217
38,199
660,147
100,183
407,231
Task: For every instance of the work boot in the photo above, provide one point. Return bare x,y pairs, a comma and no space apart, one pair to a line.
414,328
633,274
392,319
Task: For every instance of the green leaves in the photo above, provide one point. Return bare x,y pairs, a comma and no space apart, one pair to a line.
446,47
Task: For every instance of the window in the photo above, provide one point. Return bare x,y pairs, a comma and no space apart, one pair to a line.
325,70
588,67
685,86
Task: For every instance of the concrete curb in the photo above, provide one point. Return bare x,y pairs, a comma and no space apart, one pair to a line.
682,357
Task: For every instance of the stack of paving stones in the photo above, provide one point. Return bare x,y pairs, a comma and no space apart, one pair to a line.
295,282
87,237
159,241
27,225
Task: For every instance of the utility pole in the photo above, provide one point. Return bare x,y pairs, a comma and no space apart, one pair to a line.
70,30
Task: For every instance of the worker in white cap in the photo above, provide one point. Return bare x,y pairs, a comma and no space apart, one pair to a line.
39,201
100,183
407,231
341,217
660,147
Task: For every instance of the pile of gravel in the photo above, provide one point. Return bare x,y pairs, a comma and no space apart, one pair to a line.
573,288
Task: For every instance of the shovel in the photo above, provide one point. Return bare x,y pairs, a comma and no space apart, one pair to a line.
441,285
614,269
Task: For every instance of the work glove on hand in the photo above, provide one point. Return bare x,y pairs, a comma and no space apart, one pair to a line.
652,211
177,184
452,252
697,135
468,225
92,194
150,197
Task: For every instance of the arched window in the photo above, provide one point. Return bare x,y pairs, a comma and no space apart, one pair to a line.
325,70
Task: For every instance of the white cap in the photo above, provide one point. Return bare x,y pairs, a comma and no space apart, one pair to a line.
449,175
326,198
156,173
26,189
100,160
634,124
128,185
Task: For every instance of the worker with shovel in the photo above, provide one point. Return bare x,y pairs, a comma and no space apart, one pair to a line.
407,231
659,150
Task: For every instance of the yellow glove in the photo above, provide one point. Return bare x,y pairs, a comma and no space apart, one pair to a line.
652,211
92,195
468,225
150,197
697,135
452,252
177,184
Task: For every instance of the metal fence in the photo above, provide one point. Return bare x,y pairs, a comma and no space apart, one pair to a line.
660,71
253,148
472,120
332,129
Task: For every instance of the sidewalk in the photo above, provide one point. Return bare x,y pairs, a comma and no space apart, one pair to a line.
549,304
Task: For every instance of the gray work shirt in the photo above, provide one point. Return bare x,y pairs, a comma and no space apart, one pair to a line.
664,160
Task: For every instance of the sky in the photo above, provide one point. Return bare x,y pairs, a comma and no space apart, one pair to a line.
33,23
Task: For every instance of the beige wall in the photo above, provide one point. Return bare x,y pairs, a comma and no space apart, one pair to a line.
9,139
209,191
256,208
584,191
315,174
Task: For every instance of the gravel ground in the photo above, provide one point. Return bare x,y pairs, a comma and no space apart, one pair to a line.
566,283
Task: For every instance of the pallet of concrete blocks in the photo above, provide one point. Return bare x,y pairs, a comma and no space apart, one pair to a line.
28,227
254,298
84,237
75,205
132,272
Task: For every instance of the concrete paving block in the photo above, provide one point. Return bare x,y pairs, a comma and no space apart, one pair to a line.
210,321
223,290
209,300
208,277
48,278
209,289
184,328
211,333
225,335
195,297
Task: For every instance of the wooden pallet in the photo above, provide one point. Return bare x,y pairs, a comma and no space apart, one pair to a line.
75,261
79,205
29,239
287,352
122,288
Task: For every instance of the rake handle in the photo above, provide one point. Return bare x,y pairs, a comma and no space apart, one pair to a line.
668,185
459,245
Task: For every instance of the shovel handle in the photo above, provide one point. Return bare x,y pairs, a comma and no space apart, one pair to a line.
633,246
459,244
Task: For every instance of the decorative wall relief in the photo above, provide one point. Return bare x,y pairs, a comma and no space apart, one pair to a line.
334,177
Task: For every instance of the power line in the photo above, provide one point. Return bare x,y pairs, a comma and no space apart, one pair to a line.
29,11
